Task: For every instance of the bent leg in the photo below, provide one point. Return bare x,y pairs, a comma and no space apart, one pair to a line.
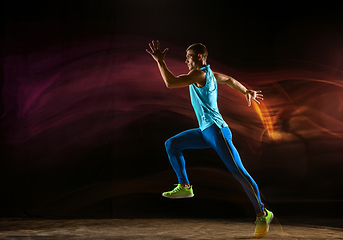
221,141
190,139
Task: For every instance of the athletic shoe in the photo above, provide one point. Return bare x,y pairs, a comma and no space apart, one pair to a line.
179,192
262,224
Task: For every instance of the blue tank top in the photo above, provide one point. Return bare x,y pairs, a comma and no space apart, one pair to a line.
204,101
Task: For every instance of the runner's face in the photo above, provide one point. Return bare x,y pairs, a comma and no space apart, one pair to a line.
191,60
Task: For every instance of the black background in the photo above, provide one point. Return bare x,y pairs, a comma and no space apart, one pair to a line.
121,170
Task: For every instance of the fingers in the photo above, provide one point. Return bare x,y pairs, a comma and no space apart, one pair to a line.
148,51
154,45
256,101
165,50
151,47
155,51
254,95
157,45
259,96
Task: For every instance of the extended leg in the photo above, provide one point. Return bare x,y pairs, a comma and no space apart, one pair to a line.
221,141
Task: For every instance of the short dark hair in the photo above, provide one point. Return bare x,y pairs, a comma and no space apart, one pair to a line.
199,48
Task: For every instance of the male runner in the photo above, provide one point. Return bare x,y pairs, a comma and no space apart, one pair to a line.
213,130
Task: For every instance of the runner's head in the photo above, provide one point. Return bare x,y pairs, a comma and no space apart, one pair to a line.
196,55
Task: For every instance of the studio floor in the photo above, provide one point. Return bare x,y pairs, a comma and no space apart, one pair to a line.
174,229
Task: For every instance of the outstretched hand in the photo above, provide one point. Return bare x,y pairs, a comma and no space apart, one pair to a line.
253,95
156,52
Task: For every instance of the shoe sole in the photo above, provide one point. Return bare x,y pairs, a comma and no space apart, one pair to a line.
181,196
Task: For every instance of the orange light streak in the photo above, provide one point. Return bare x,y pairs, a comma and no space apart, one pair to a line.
266,121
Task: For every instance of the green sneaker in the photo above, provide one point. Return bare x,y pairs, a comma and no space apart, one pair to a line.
179,192
262,224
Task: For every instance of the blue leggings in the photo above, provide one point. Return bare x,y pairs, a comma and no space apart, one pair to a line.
221,141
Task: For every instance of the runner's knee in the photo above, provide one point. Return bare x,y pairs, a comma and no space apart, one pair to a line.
170,144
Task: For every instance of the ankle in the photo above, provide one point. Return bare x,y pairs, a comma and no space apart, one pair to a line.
261,214
185,185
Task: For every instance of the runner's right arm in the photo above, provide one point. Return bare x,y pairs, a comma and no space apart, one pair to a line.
169,78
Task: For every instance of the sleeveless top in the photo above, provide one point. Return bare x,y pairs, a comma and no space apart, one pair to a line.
204,101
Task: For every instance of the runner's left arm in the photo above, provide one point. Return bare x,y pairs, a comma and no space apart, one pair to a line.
233,83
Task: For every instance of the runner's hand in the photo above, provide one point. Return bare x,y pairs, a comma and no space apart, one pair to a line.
156,52
253,95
